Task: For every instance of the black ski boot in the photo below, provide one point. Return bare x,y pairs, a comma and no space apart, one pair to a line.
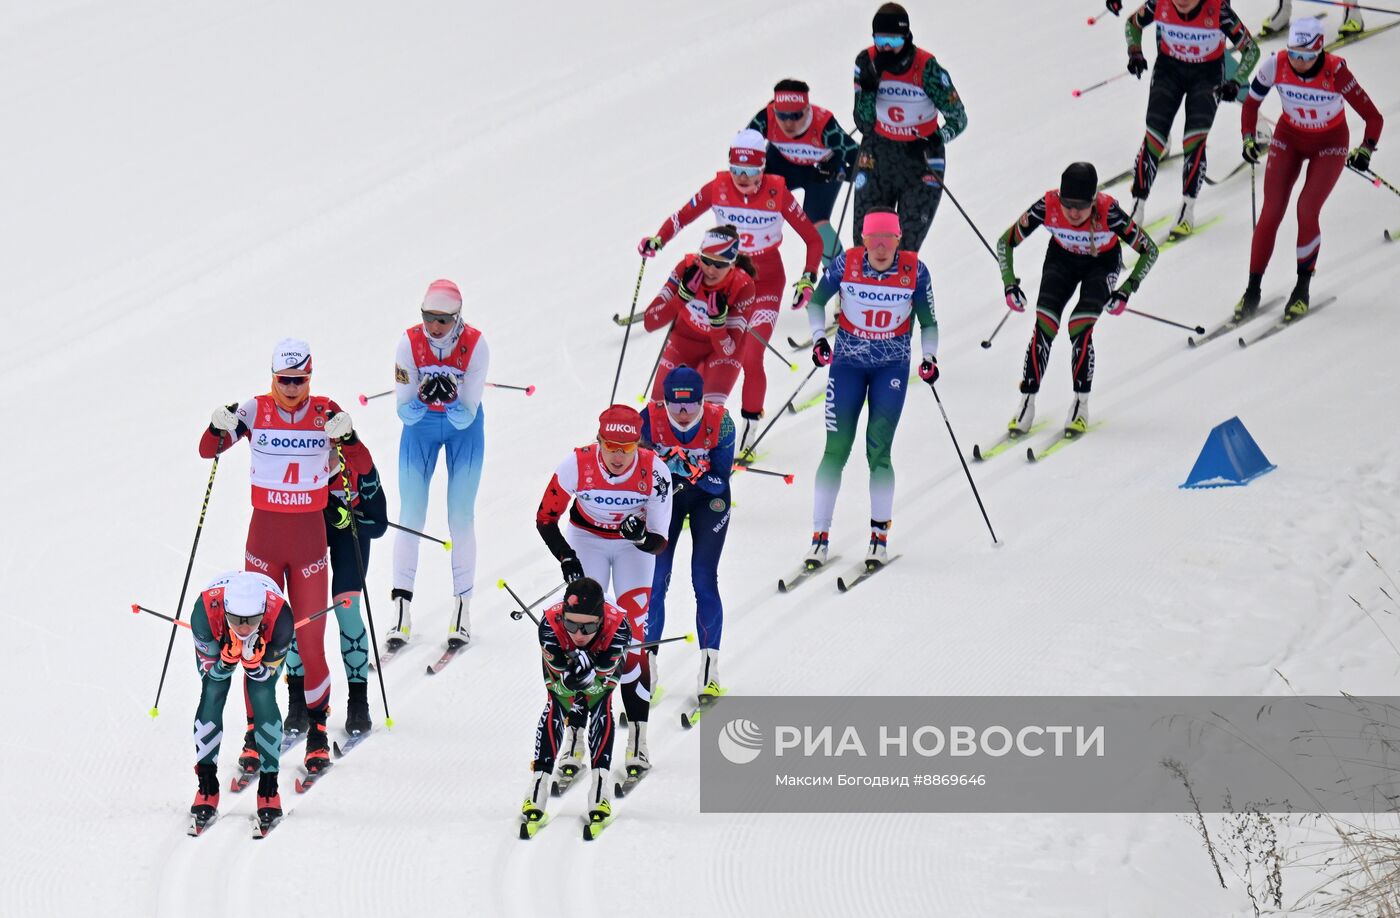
1249,303
206,800
248,758
269,802
318,745
297,720
1298,300
357,709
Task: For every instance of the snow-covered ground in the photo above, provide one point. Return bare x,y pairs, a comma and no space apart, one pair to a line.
185,183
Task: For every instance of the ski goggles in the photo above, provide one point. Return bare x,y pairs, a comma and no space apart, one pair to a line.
438,318
1072,204
589,627
746,171
789,116
889,42
1302,56
616,447
293,380
242,621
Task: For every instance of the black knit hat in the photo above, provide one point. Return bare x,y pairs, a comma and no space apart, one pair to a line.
891,19
584,597
1080,182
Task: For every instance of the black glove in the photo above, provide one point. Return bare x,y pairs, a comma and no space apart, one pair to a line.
578,713
428,389
447,389
1360,159
1228,91
748,415
581,673
1114,6
829,169
633,529
1137,64
867,77
690,282
928,370
1251,151
572,568
337,513
821,353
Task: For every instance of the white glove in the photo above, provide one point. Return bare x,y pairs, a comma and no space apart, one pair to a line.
339,426
224,418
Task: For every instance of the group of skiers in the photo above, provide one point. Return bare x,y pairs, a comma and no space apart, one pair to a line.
627,494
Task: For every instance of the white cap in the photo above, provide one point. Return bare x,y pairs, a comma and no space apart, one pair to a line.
749,139
1306,34
443,296
291,355
245,596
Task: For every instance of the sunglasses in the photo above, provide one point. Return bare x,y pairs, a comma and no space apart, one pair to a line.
293,380
437,318
1302,56
789,116
590,627
619,447
709,262
746,171
889,42
677,407
1076,205
242,620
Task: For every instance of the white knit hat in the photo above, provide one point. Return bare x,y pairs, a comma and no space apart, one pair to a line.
442,296
291,355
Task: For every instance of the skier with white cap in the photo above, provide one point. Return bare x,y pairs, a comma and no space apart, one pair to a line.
296,440
757,205
240,620
439,376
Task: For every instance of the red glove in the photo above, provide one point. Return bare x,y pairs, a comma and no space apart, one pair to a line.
649,246
230,651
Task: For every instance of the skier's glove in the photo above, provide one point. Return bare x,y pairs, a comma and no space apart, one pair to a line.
581,672
649,246
224,418
253,662
1251,150
928,370
633,529
689,283
829,169
1228,91
1114,6
717,308
1015,297
572,568
1137,64
1119,300
447,389
578,712
427,389
340,427
1360,159
821,352
802,290
230,653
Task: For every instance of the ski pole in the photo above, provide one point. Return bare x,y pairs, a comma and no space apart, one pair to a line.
646,645
445,543
1076,93
749,331
631,314
841,222
137,609
189,567
777,414
1093,20
528,390
985,244
364,587
1357,6
1147,315
524,610
1375,180
641,399
988,342
785,476
957,449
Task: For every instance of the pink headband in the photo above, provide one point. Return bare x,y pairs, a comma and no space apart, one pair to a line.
876,224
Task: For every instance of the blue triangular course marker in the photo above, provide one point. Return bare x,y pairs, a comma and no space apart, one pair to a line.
1230,457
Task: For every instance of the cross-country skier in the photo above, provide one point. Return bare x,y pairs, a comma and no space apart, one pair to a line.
901,90
1085,228
1313,86
583,640
367,502
1277,22
882,288
705,305
1190,68
295,439
240,621
757,205
618,520
439,376
696,440
808,148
